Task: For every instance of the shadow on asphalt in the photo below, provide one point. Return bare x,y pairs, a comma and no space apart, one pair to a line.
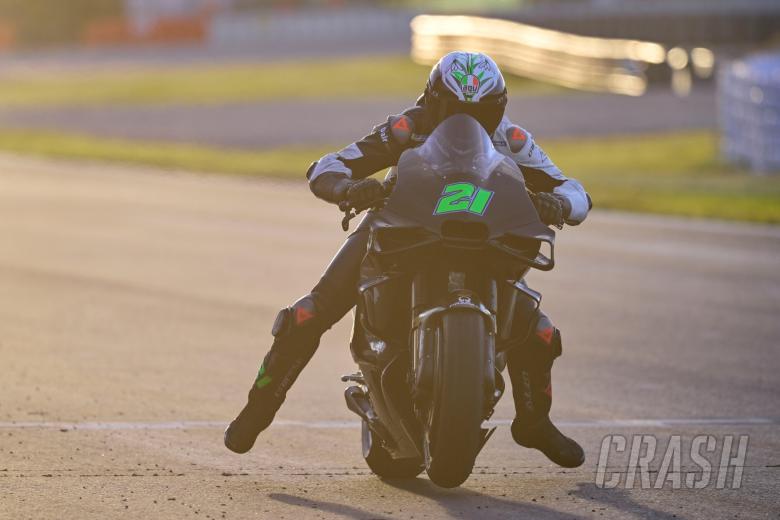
455,502
458,502
328,507
619,499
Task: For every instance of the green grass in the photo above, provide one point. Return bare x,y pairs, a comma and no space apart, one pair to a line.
283,162
345,78
675,173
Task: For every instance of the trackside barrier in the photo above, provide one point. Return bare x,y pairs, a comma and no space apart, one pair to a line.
580,62
749,109
308,26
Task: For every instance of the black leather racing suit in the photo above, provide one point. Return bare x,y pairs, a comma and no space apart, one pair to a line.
298,328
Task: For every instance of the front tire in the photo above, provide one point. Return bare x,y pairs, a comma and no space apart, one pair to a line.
453,434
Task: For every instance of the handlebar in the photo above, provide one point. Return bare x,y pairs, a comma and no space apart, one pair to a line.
351,212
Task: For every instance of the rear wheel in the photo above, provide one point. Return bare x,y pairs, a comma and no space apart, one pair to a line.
453,433
382,464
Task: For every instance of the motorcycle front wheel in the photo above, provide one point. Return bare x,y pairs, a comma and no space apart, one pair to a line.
453,433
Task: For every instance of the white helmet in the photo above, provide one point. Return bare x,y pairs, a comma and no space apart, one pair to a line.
466,83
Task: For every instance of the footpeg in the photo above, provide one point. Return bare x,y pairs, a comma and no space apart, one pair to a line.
357,377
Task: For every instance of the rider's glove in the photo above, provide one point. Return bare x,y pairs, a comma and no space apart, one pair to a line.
565,205
363,193
549,208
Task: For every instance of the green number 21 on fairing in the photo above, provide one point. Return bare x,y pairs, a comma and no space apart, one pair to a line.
463,196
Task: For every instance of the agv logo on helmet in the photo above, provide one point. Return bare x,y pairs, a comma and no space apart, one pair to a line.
470,76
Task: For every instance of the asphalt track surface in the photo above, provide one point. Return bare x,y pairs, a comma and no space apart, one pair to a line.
307,122
137,304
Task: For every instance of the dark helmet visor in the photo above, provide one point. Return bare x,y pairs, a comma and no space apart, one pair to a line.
488,111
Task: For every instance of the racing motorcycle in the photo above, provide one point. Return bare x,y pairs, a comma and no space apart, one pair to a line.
441,301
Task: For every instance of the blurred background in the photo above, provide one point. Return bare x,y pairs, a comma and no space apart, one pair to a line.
640,100
137,298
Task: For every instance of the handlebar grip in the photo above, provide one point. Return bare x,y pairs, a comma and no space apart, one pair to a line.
388,186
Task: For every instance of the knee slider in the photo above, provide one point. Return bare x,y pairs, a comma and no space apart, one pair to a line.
300,315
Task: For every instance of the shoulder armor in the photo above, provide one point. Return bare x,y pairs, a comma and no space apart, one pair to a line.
516,138
401,128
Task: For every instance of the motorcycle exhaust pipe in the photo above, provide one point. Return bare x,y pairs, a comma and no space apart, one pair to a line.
358,403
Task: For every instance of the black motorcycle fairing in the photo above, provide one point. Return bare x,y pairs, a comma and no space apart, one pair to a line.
460,153
459,149
506,236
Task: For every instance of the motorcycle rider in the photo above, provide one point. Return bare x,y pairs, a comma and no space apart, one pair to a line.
461,82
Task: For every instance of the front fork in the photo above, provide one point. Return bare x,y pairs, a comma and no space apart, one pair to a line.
510,315
424,337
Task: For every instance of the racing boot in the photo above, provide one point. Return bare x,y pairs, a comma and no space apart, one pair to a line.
296,338
529,369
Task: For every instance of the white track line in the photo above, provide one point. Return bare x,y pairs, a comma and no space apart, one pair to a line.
337,425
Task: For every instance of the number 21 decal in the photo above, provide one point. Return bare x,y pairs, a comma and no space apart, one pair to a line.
463,196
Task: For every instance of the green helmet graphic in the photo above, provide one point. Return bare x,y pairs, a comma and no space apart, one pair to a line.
469,75
470,83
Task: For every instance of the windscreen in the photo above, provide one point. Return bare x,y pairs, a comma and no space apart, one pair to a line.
459,145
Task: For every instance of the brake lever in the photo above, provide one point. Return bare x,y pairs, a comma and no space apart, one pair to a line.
352,212
348,215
